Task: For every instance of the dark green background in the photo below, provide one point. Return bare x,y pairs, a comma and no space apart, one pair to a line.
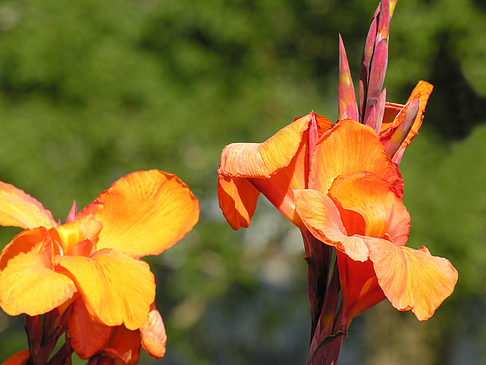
92,90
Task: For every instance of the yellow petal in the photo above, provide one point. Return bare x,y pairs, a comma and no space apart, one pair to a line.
349,148
237,199
153,334
412,279
28,284
322,218
116,289
144,213
382,210
19,209
84,228
264,159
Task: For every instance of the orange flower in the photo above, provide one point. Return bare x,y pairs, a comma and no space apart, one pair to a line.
355,205
93,259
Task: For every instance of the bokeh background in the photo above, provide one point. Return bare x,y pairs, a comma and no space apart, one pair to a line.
92,90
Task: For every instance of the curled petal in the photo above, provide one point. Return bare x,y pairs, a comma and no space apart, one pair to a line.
264,159
322,218
28,284
116,289
349,148
412,279
19,209
421,91
237,199
144,213
383,211
153,334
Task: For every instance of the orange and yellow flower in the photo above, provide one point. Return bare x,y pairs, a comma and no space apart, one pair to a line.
93,260
355,205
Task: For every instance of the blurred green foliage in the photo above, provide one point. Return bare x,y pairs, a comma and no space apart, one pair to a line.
92,90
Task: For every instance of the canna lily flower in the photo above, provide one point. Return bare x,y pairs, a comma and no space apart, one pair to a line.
92,262
340,185
355,205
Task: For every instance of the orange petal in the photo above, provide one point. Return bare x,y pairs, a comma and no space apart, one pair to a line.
421,91
360,289
20,358
116,288
237,199
153,334
125,344
349,148
87,335
19,209
370,196
412,279
322,218
144,213
264,159
278,189
28,284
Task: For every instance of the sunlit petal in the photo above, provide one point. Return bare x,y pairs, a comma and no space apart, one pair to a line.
412,279
28,284
264,159
116,288
349,148
144,213
19,209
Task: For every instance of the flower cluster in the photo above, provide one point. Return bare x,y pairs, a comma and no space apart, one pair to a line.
339,183
86,275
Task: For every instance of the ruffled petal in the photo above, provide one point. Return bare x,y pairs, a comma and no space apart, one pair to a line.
116,289
322,218
87,336
264,159
28,284
144,213
153,334
383,211
349,148
412,279
237,199
19,209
